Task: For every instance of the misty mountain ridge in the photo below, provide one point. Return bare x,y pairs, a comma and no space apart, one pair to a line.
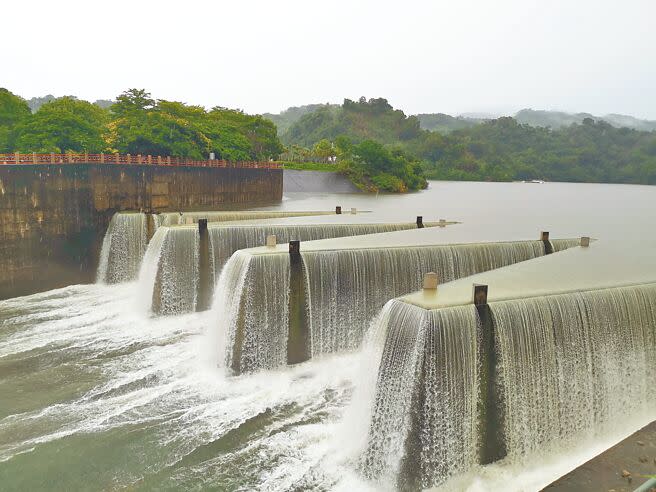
445,123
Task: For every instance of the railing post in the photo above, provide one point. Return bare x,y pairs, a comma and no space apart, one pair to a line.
102,158
17,157
52,157
168,160
159,160
129,159
70,157
150,159
33,157
86,158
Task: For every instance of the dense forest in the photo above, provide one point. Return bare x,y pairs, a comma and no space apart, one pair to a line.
135,123
377,146
500,149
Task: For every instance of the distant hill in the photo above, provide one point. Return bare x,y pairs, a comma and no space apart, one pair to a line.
360,120
288,117
444,123
36,102
559,119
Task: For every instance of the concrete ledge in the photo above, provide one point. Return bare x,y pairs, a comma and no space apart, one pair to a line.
634,457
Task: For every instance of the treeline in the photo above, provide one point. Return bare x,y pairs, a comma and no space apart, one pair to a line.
496,150
137,124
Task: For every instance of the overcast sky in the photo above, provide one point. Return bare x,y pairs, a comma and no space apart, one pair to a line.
453,56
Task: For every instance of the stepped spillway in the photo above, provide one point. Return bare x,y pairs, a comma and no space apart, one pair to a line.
128,234
177,286
564,348
326,302
123,248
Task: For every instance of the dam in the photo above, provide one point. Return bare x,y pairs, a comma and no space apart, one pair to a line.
205,344
327,291
55,208
531,358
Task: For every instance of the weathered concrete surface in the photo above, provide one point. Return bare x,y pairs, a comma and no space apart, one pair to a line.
53,217
318,182
636,455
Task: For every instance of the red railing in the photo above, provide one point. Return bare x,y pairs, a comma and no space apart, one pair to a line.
151,160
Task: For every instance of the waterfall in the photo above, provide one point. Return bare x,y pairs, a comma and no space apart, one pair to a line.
123,248
570,366
169,275
225,240
424,420
573,365
346,288
149,269
253,338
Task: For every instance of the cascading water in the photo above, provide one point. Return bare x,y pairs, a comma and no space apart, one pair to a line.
570,366
169,275
123,248
253,338
346,288
573,364
423,423
225,240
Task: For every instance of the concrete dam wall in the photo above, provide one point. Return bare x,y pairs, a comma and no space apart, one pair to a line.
53,216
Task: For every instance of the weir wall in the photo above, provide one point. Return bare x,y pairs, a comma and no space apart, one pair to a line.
53,217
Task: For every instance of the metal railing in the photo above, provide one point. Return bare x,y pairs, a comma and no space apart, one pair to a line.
129,159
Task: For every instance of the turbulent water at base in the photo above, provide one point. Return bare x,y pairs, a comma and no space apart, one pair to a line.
225,240
252,306
123,248
105,398
571,368
424,413
346,288
169,274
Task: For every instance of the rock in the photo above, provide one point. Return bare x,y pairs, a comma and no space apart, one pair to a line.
643,459
640,443
626,474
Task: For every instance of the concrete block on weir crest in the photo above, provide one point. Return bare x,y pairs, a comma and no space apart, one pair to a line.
354,211
430,281
544,236
585,241
338,210
271,241
294,248
420,222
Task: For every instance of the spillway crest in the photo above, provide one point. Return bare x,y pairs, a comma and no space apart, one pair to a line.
342,290
569,367
123,248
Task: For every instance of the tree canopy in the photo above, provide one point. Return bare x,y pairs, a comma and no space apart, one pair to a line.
135,123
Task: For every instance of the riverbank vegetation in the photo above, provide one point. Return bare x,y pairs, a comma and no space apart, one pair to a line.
378,147
499,149
136,124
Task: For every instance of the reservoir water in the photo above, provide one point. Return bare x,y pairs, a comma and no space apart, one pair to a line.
97,394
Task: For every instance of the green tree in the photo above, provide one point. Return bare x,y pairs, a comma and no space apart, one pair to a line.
62,125
13,111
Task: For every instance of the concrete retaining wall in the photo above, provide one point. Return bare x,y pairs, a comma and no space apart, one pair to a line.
53,217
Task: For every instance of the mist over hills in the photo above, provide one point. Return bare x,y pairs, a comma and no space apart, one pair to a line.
445,123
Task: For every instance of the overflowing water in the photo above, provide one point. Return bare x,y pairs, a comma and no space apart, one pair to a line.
123,248
570,366
96,394
345,289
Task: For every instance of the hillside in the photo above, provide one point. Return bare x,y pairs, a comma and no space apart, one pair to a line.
288,117
444,123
